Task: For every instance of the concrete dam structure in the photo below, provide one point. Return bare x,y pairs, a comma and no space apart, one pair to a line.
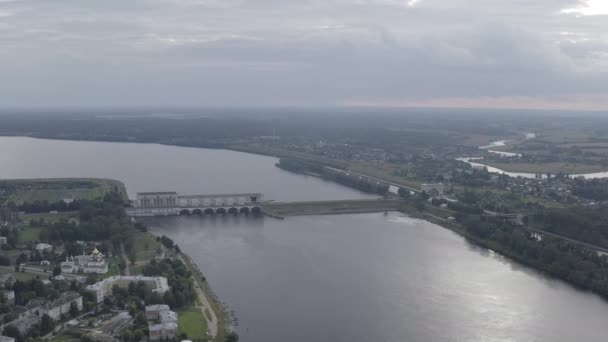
172,203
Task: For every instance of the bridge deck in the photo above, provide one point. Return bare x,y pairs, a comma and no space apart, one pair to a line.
280,209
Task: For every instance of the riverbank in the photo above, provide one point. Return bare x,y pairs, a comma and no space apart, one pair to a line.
209,304
53,190
556,167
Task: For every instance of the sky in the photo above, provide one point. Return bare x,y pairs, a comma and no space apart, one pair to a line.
537,54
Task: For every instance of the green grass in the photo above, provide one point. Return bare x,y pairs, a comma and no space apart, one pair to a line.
53,190
51,218
193,323
145,246
29,234
113,268
23,276
222,316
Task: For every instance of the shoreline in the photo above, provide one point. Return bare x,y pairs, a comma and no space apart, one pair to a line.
593,174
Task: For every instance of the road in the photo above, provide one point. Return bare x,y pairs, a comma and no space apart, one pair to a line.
567,239
125,260
376,179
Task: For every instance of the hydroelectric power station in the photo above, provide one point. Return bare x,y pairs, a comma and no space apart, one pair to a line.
172,203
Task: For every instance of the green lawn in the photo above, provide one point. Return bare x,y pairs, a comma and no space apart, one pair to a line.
145,246
51,218
193,323
20,275
113,268
29,234
53,190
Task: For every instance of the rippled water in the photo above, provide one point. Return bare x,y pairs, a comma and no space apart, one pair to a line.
366,277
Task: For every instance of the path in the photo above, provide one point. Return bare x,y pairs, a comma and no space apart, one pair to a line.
125,260
204,302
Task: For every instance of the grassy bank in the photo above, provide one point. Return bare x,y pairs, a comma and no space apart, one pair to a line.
222,316
192,323
57,189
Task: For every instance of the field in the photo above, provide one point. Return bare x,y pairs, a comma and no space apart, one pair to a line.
193,323
51,218
29,234
53,190
23,276
145,246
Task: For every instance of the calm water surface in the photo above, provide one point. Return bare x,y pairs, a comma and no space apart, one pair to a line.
367,277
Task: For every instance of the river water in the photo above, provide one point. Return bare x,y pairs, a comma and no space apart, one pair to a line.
366,277
476,161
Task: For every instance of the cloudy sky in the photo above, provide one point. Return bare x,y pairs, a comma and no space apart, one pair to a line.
444,53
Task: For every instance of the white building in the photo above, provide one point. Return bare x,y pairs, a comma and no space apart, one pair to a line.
103,289
93,263
433,190
41,247
61,306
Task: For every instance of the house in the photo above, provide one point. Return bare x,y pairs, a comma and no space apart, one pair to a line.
103,288
61,306
3,240
6,339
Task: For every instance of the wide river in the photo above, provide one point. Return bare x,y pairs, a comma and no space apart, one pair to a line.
367,277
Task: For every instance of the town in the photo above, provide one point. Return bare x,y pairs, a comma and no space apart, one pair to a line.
77,268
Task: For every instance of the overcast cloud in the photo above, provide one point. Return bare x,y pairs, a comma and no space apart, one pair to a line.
486,53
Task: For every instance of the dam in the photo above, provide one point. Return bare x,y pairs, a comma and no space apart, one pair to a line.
172,204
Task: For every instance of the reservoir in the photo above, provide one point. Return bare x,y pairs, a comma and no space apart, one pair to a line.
364,277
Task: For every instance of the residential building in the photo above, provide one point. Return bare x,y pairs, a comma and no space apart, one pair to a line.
103,289
61,306
153,311
162,331
3,240
162,322
25,323
6,339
